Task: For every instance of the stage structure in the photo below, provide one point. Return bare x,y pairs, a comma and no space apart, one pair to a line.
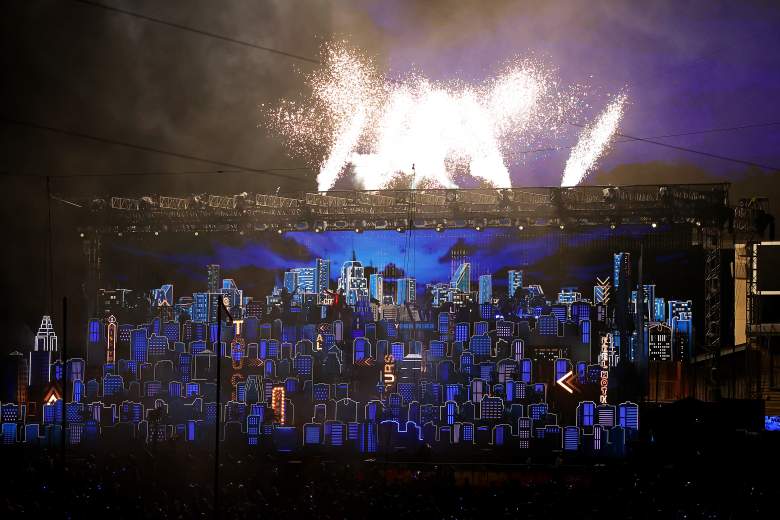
702,209
705,205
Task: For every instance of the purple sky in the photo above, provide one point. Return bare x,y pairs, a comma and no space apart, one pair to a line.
687,66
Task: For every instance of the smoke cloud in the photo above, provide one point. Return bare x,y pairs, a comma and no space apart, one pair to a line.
690,66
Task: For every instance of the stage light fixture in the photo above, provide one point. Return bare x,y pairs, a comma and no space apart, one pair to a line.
156,233
562,227
521,227
280,231
358,230
612,226
478,227
439,228
119,234
399,229
196,233
81,235
653,225
698,223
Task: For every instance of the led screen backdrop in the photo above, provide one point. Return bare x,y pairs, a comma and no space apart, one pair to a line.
553,259
423,344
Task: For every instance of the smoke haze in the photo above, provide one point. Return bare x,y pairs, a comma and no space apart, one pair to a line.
689,66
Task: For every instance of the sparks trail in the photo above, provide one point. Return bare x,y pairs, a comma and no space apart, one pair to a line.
593,142
356,121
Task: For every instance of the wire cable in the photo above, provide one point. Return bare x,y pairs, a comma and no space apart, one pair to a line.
272,171
318,62
308,59
142,173
199,31
664,136
701,152
279,172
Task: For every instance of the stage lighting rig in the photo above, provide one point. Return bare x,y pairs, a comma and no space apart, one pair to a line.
392,209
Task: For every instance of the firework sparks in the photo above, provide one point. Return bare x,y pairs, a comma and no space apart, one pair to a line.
593,142
425,133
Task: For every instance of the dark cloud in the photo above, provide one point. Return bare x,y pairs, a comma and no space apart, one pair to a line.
461,248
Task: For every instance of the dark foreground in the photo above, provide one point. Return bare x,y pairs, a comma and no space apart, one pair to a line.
731,476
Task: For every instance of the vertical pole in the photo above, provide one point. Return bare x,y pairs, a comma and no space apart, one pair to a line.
49,248
217,421
64,396
643,359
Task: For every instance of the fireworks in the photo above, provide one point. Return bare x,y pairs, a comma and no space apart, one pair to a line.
426,133
593,142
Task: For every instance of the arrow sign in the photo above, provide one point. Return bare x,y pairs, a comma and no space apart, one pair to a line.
365,362
566,381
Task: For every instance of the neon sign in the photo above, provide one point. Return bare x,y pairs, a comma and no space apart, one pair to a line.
237,352
234,380
606,346
111,340
602,290
277,402
388,372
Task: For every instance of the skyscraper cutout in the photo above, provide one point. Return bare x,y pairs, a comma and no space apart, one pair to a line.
46,339
461,279
214,278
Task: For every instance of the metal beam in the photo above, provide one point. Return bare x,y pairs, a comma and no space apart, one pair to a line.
173,203
124,204
222,202
705,204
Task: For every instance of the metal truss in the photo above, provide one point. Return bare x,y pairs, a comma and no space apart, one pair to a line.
124,204
712,289
703,207
703,204
753,309
173,203
753,322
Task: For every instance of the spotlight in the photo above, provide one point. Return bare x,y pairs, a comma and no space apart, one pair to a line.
698,223
439,228
318,230
81,235
478,227
561,227
521,227
358,230
280,231
196,233
399,229
119,234
241,232
612,226
653,225
156,233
